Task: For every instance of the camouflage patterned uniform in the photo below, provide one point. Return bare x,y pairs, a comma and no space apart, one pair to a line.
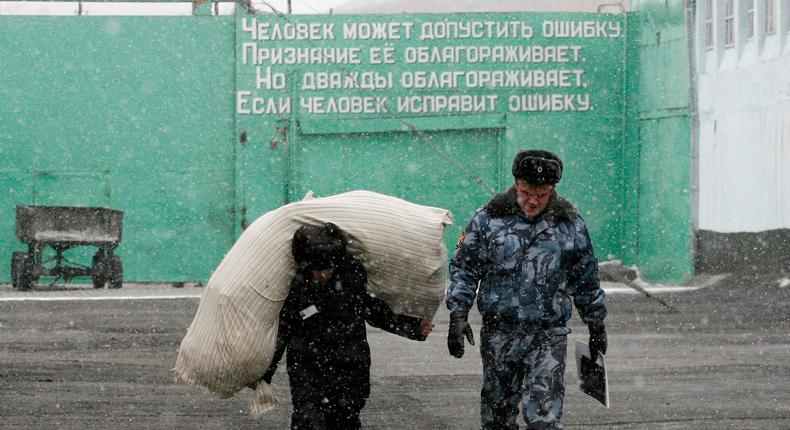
528,272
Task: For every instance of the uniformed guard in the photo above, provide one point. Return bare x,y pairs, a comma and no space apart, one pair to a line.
530,252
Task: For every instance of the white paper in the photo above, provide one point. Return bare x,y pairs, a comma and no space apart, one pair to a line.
308,312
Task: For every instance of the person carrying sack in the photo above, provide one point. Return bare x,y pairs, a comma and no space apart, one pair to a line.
322,330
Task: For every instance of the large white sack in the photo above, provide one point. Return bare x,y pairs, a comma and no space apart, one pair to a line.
231,340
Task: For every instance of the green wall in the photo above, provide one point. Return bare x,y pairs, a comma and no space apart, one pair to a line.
141,114
658,194
129,112
455,160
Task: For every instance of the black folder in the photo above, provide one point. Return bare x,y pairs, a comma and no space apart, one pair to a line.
592,374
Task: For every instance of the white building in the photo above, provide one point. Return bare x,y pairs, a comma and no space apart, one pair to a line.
742,63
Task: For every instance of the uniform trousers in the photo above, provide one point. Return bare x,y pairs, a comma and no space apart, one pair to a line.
524,365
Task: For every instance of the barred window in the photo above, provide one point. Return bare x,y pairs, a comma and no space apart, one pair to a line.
749,19
770,17
729,23
708,36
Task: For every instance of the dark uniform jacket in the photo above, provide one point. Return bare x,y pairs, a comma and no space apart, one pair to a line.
322,327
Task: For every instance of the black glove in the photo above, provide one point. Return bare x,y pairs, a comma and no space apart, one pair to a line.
459,328
598,342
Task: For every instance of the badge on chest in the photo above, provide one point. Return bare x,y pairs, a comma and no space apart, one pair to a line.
308,312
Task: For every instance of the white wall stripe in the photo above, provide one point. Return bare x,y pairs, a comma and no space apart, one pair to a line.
610,288
55,298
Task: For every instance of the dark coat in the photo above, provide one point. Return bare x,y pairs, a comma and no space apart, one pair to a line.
327,352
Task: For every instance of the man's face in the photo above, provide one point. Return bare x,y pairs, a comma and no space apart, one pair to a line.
321,276
533,198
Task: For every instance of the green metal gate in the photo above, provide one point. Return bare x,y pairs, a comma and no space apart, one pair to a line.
161,117
404,164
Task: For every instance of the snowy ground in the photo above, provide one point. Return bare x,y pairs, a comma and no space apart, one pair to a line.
719,357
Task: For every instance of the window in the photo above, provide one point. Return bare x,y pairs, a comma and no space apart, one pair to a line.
749,19
708,36
729,23
770,17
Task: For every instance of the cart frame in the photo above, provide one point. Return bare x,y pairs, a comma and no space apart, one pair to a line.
62,228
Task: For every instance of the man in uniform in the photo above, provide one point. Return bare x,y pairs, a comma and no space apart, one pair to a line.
525,255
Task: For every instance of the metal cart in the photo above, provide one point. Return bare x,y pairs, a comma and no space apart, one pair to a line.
61,228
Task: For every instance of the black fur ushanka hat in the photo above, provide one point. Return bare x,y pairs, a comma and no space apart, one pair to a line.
318,247
537,167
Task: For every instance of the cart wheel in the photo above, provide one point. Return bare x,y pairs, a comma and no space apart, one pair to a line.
115,272
99,265
22,271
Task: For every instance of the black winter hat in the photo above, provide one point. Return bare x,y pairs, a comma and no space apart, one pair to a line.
318,247
537,167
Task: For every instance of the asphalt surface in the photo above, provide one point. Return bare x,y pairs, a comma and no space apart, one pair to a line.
78,358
